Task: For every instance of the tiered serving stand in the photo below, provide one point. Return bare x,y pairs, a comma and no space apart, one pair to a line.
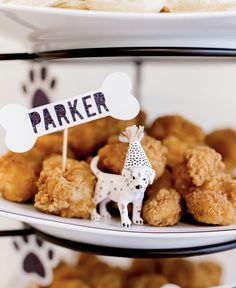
138,55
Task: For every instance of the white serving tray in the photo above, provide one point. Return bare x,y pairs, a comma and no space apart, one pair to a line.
111,234
42,29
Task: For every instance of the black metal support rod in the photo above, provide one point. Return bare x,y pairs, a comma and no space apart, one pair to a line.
121,52
138,81
137,253
17,232
135,52
16,56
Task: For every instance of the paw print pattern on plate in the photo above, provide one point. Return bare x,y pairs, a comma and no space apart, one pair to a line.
37,259
39,86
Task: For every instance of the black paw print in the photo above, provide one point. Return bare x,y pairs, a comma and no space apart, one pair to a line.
39,87
37,257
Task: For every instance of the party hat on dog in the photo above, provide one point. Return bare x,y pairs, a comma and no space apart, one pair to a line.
136,156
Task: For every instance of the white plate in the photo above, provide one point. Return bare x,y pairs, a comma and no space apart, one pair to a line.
113,235
40,29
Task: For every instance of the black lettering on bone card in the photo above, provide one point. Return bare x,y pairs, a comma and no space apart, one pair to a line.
74,111
35,120
100,102
87,106
48,119
61,114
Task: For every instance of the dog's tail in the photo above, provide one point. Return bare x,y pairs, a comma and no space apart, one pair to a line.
94,165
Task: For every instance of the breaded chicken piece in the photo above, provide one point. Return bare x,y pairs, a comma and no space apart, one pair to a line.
182,181
176,149
163,206
177,134
18,174
86,139
19,171
166,181
117,126
211,273
147,281
89,272
224,142
92,272
215,201
163,209
109,279
144,266
66,276
210,193
203,163
178,126
210,207
199,274
200,164
188,274
53,144
67,193
112,156
69,283
99,274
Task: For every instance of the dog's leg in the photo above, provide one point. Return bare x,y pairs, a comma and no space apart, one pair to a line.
95,216
137,207
103,209
124,215
96,199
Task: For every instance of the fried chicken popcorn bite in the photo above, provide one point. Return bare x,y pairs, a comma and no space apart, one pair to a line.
210,193
87,138
66,193
214,202
188,274
19,173
53,144
88,273
117,126
66,276
91,272
200,164
99,274
148,280
178,126
112,156
210,207
144,266
199,274
69,283
177,134
224,142
163,209
203,164
176,149
166,181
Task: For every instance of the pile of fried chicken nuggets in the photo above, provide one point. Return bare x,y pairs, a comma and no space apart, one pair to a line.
153,273
194,171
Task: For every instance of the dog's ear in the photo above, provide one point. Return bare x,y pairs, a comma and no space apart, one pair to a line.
126,173
151,176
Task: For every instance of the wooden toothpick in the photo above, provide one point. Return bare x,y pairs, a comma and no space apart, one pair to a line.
64,153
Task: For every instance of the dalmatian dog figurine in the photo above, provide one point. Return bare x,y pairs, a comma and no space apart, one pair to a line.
130,186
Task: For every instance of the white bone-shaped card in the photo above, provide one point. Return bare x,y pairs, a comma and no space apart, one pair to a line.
23,126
